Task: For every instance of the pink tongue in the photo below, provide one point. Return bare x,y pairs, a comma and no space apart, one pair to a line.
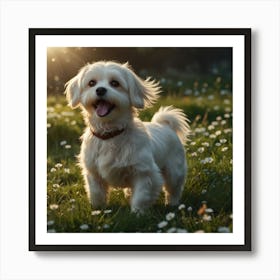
103,108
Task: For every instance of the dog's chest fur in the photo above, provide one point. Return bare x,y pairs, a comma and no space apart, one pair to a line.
111,159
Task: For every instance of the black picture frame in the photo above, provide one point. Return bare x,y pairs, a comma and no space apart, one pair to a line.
245,33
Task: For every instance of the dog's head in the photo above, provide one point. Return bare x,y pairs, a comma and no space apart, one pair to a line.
107,90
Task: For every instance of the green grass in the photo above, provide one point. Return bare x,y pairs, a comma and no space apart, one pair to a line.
209,181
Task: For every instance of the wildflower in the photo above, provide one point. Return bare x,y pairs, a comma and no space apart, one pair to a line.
211,127
67,146
67,114
56,186
62,143
200,129
108,211
218,132
205,144
193,143
84,227
218,79
203,191
207,160
201,210
162,224
200,150
72,200
214,123
50,109
71,208
227,116
67,170
223,141
223,229
231,216
206,218
216,108
209,210
227,130
50,223
58,165
223,122
212,136
230,161
73,123
218,144
171,230
224,149
181,230
226,101
54,206
188,92
95,212
211,97
189,209
227,109
194,154
181,206
179,83
49,125
223,91
53,169
218,118
170,216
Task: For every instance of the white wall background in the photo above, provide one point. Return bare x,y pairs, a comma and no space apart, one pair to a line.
16,262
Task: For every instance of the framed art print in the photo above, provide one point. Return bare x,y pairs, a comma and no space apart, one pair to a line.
140,139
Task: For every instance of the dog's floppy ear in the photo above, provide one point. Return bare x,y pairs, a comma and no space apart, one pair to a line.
143,93
72,92
73,88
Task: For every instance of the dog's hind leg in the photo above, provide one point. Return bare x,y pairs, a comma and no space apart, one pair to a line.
146,189
174,174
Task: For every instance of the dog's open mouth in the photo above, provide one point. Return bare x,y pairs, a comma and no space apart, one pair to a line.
103,107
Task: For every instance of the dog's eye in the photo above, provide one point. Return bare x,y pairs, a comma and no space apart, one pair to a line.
114,83
92,83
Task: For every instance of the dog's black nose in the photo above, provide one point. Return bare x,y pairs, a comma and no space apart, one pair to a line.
101,91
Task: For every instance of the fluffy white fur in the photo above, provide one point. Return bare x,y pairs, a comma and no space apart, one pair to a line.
145,156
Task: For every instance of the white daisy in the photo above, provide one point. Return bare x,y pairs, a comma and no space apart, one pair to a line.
162,224
170,216
54,206
84,227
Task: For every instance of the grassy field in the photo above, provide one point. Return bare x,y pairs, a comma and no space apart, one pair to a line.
206,204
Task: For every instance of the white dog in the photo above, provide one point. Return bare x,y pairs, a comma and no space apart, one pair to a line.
118,149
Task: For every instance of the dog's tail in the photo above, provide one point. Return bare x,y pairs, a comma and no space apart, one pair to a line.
175,119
